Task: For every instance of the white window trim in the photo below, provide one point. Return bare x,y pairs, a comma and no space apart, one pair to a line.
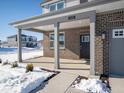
53,40
113,33
56,5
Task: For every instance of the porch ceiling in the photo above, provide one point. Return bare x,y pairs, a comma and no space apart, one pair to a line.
65,25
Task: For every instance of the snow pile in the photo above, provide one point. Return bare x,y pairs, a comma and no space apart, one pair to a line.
27,53
14,49
15,80
92,86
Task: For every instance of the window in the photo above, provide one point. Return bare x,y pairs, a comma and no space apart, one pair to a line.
85,38
118,33
52,7
51,37
56,6
61,40
60,5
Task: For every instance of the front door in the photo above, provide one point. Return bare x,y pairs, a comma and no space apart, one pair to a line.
85,46
117,52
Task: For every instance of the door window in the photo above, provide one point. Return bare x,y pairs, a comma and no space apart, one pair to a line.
85,38
118,33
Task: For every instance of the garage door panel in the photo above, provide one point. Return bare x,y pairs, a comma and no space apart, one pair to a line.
117,52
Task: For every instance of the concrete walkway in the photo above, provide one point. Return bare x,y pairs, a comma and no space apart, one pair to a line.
117,84
73,90
59,83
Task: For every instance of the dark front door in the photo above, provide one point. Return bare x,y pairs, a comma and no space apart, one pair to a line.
85,46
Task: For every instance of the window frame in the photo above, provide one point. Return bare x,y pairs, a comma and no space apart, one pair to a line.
59,40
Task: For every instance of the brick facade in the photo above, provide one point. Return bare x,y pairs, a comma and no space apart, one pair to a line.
72,43
105,22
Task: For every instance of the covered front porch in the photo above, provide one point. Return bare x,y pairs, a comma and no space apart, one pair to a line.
77,67
56,21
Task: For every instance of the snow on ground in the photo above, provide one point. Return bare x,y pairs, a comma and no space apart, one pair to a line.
15,80
92,86
10,54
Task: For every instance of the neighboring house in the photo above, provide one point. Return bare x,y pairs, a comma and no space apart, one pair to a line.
27,41
84,29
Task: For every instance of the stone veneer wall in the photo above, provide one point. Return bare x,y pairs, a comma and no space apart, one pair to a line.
72,43
105,22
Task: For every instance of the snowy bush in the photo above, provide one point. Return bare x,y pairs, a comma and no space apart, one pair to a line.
14,64
29,67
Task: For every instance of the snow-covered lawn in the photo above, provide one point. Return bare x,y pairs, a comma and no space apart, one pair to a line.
15,80
10,54
92,86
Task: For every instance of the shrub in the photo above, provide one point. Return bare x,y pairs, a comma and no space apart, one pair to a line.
29,67
15,64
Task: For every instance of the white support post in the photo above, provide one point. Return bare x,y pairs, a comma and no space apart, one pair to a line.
19,45
92,45
56,45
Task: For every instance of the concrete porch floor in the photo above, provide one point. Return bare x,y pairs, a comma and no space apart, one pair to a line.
78,67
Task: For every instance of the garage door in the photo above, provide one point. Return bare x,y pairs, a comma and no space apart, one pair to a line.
117,52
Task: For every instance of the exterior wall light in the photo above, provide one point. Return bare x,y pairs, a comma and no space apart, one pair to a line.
103,35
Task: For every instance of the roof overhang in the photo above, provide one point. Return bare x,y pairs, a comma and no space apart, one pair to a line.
64,25
79,12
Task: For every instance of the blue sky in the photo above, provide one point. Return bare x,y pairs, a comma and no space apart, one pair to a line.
12,10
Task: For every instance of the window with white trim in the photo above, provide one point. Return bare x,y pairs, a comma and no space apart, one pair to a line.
52,7
61,40
85,38
56,6
60,5
118,33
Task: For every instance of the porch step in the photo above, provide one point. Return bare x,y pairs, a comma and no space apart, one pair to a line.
59,83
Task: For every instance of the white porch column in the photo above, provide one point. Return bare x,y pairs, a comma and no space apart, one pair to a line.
56,45
92,45
19,45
